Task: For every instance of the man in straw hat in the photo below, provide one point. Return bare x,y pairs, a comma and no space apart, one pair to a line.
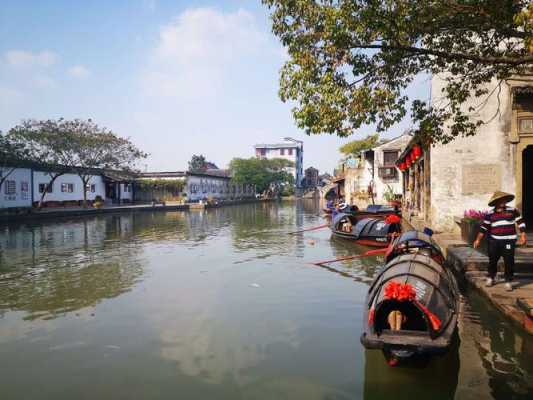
500,227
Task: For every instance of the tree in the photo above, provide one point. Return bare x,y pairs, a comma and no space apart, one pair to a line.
198,164
262,173
48,143
11,154
95,147
351,61
357,146
73,146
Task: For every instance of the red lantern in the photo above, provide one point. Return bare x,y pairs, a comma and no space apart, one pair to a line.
408,161
417,151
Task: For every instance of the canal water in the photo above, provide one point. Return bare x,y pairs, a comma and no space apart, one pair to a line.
218,304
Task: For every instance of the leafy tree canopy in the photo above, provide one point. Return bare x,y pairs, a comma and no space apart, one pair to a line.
263,173
197,164
351,60
76,146
356,146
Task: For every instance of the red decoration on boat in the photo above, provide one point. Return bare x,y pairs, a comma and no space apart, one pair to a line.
399,291
371,316
392,219
405,292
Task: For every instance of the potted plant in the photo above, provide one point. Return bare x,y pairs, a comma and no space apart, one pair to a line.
470,224
98,202
392,198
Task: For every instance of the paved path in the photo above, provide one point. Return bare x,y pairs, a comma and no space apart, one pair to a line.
472,264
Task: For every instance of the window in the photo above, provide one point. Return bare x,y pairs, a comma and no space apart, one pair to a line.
525,125
263,152
387,172
390,157
290,152
281,152
10,187
24,190
91,187
67,188
42,187
127,188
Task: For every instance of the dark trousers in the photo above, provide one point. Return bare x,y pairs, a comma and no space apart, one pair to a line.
505,249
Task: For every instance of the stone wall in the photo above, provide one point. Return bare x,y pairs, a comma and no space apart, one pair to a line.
465,172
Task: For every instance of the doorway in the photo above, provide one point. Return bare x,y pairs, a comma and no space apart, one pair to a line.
527,186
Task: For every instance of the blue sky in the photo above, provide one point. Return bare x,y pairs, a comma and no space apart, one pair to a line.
177,77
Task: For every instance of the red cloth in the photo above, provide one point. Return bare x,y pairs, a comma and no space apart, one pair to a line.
392,219
405,292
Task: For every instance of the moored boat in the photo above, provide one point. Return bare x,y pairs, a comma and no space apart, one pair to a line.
412,304
374,232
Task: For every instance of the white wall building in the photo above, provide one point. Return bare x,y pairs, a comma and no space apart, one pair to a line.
386,177
16,189
219,186
24,187
288,151
215,184
68,187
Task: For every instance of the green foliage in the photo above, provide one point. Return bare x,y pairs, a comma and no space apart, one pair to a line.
356,146
352,61
197,164
10,153
262,173
77,146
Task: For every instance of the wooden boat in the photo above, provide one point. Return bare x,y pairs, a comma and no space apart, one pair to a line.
374,232
415,283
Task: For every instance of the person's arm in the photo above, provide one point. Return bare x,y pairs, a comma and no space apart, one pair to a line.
522,240
483,229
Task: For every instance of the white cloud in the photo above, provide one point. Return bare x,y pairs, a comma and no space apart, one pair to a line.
197,48
79,71
21,58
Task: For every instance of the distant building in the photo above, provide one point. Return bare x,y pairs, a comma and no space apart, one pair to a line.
214,183
311,178
372,172
289,151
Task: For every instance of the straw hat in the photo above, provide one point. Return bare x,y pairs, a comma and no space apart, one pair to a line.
497,196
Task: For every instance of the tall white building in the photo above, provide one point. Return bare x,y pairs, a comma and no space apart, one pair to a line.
287,150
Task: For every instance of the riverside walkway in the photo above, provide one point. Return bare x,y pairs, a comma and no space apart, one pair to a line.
472,264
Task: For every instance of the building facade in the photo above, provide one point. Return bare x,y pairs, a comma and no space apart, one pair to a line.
24,187
463,174
311,178
212,184
288,151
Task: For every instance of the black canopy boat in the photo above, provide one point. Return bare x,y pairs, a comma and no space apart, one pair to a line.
375,232
413,302
372,211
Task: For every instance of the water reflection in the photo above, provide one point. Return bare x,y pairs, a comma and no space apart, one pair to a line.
219,304
437,380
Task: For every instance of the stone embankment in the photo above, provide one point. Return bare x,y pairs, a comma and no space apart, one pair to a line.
471,264
51,213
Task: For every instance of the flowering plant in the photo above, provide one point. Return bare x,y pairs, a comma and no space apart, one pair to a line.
475,215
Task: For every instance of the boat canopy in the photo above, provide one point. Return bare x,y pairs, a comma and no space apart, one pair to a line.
420,288
414,241
364,228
